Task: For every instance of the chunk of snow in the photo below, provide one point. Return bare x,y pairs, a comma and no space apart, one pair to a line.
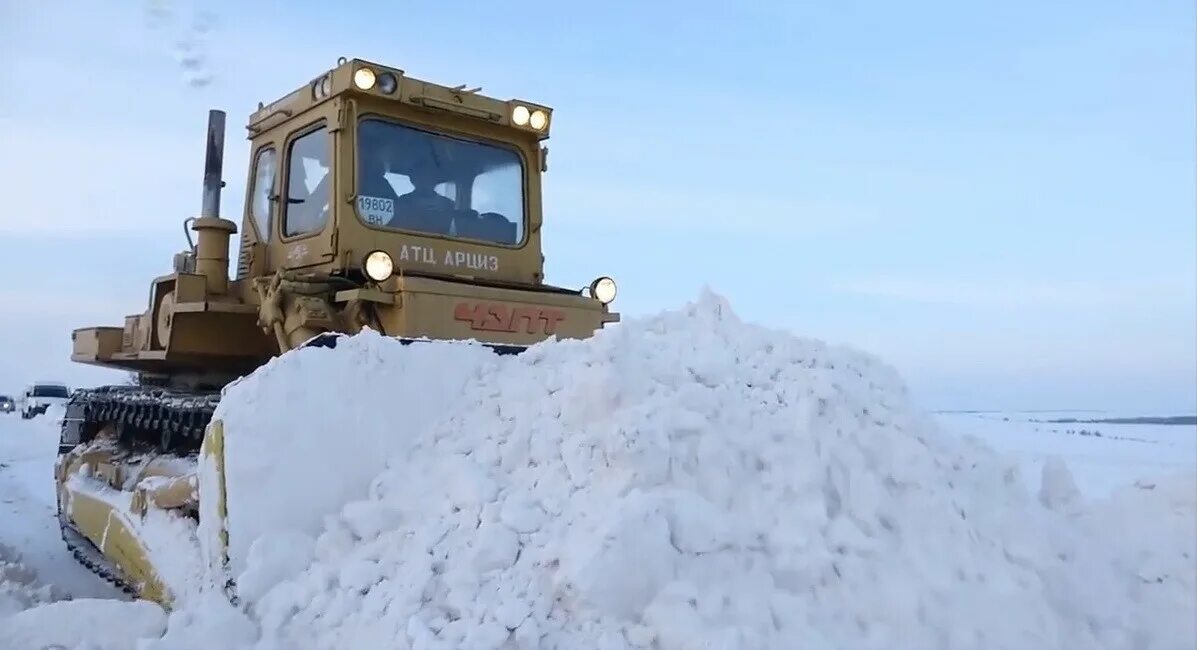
19,588
1057,489
274,557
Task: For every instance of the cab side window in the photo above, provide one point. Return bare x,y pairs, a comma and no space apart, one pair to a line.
307,203
265,168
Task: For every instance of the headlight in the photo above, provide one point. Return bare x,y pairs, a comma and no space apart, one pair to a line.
364,78
379,266
603,290
322,87
538,120
520,115
387,83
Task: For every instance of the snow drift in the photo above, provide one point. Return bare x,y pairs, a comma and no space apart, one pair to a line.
19,588
681,481
34,615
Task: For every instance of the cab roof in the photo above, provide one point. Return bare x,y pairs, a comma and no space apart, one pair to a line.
359,77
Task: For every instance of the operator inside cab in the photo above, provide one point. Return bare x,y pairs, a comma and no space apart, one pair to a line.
423,198
413,180
421,208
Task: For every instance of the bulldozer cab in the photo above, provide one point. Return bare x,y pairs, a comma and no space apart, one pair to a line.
373,200
444,181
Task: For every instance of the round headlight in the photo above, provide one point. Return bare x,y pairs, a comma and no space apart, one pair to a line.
519,115
387,83
379,266
325,86
364,78
603,290
539,120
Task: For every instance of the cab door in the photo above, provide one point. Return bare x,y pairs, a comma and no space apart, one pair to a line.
260,211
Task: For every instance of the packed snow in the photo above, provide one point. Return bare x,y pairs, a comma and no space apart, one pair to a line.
680,481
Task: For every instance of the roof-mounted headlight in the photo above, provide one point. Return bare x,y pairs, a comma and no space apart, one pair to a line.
378,266
538,120
387,83
520,115
322,87
364,78
603,290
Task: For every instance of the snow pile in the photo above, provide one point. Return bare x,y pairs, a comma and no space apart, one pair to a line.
86,624
309,431
677,482
1140,546
38,616
19,588
54,414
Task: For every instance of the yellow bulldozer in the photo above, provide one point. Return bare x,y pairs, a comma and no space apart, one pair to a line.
373,200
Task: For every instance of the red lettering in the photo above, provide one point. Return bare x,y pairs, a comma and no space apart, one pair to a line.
500,319
497,317
472,313
527,314
552,317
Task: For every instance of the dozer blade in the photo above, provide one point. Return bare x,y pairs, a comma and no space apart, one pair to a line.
104,494
330,340
213,497
103,539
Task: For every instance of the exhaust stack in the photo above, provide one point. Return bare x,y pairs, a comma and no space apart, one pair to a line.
212,245
213,165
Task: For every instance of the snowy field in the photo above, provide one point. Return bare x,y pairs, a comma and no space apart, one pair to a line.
684,481
1101,457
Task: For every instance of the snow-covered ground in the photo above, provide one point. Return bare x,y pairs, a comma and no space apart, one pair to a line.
1101,457
28,520
680,481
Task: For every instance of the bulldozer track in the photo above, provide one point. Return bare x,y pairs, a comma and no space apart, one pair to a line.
143,417
169,419
89,556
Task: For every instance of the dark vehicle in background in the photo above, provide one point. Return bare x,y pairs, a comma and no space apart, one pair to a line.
7,405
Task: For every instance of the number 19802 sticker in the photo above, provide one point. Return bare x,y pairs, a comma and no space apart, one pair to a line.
375,210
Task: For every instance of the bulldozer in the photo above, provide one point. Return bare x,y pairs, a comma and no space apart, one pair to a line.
373,200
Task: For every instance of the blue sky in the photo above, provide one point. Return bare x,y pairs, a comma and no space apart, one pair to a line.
998,200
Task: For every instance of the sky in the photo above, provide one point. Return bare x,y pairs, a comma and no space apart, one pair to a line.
997,200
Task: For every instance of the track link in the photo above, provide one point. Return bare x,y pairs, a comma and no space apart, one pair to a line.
144,418
90,557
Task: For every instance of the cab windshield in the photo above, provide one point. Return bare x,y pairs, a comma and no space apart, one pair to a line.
414,180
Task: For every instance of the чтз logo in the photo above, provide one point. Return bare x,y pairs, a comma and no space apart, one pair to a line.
497,317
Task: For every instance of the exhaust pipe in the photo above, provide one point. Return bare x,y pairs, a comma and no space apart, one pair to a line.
213,165
212,245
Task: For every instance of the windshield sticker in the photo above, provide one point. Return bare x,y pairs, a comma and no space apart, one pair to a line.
377,211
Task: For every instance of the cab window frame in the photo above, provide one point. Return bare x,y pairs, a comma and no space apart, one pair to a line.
285,185
265,233
524,167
